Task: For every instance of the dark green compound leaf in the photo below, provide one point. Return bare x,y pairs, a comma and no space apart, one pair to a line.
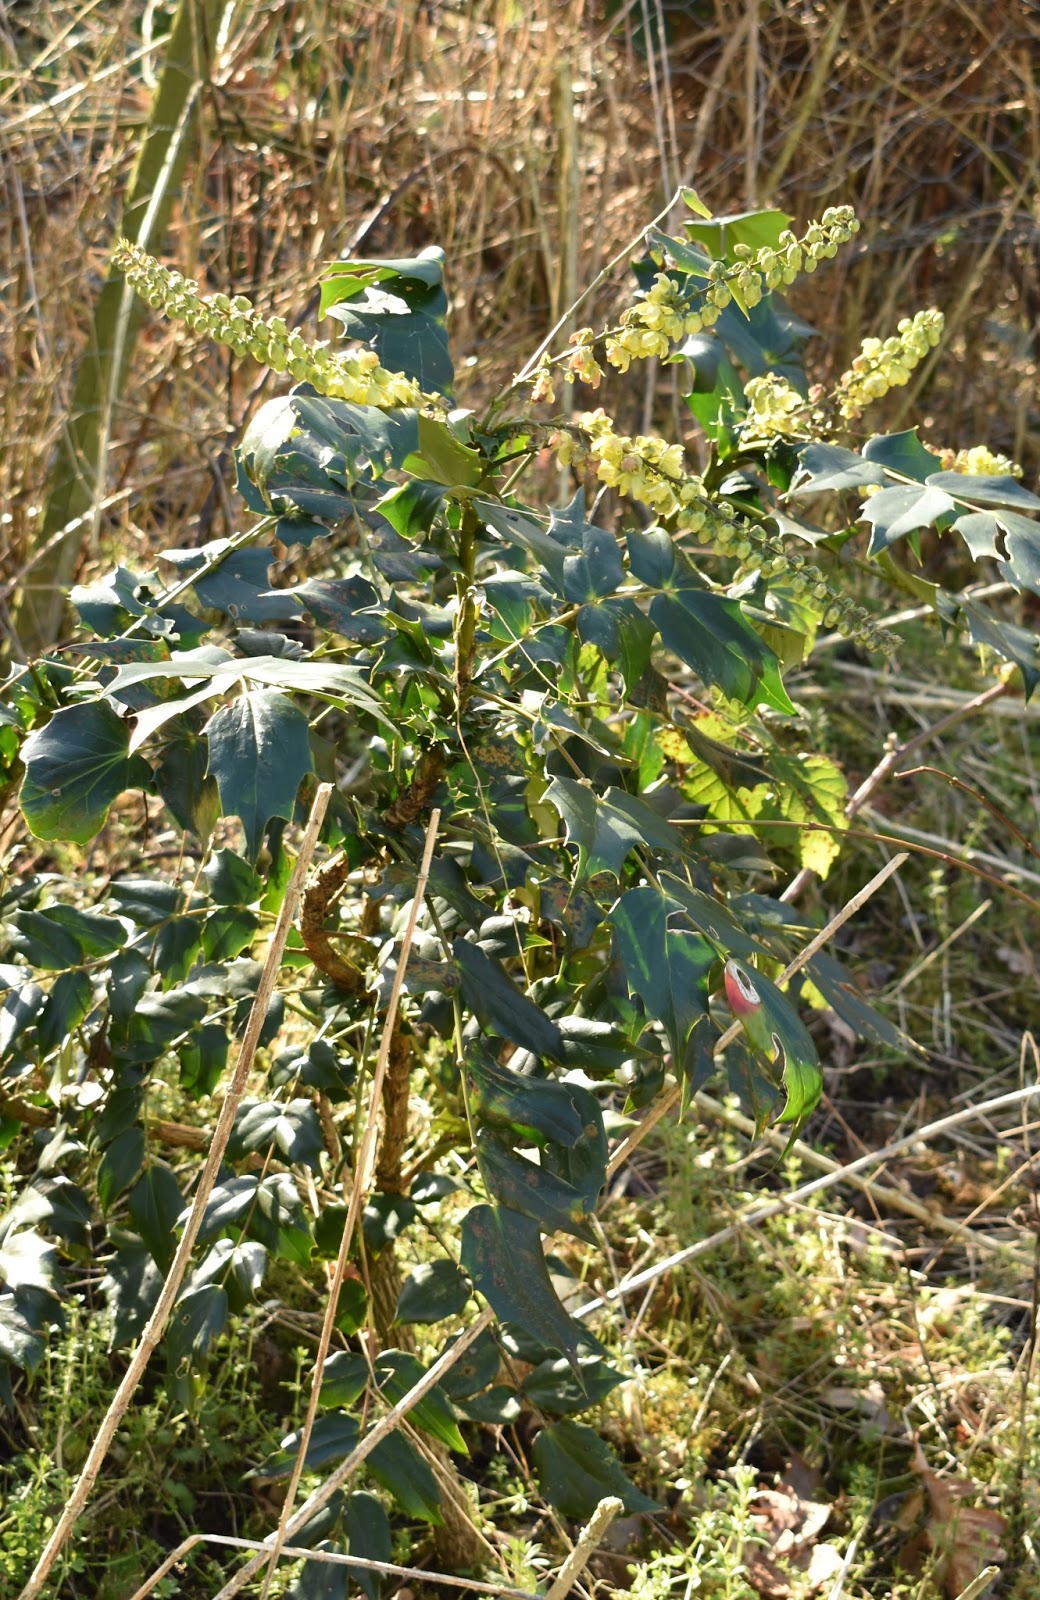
666,965
314,1066
598,571
475,1369
202,1060
502,1252
119,1165
841,993
515,1181
902,509
398,1466
986,490
259,753
621,632
199,1317
344,1379
411,507
606,828
536,1110
131,1287
902,453
21,1332
397,1372
231,881
552,1386
499,1005
155,1204
70,999
227,1205
351,607
435,1290
497,1406
385,1218
28,1261
332,1437
75,768
19,1011
367,1530
293,1129
583,1164
714,638
712,918
238,1267
527,534
577,1469
323,1580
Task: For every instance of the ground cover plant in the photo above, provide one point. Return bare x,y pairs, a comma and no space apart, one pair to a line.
553,779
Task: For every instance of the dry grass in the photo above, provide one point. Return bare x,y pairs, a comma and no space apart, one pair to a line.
377,128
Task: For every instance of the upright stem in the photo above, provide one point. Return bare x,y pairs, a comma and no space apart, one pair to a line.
466,631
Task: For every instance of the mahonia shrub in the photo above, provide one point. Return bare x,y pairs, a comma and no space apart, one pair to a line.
591,694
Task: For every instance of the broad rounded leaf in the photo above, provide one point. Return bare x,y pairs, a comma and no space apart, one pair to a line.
74,768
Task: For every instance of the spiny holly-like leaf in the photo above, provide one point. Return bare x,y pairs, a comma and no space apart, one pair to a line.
577,1469
292,1128
259,753
523,1185
903,453
712,635
367,1528
827,467
500,1006
552,1387
605,828
532,1109
778,1035
199,1317
74,768
901,509
398,1371
666,964
502,1252
28,1261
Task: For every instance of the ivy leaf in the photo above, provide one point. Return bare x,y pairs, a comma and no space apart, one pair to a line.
714,638
502,1252
666,966
605,828
436,1289
577,1469
75,768
523,1185
259,753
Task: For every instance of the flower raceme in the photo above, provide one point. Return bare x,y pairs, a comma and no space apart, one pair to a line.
355,376
649,470
670,311
885,364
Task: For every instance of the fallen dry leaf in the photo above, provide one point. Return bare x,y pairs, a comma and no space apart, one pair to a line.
789,1523
967,1538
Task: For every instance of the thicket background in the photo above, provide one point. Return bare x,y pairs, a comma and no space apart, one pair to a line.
531,141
